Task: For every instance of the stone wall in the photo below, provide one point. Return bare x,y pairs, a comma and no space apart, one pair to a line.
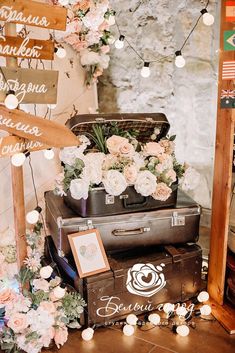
187,96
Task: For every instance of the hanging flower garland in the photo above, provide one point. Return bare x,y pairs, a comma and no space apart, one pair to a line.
88,32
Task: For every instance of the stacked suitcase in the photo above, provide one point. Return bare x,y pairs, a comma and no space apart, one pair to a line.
151,247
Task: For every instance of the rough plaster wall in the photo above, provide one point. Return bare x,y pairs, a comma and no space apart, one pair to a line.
71,91
187,96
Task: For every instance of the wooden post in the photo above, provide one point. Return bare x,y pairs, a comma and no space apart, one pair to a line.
221,188
17,184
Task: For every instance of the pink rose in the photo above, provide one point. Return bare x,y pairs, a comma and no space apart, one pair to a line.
105,49
168,146
18,322
162,192
127,149
114,143
48,306
171,174
7,296
109,161
130,173
153,149
61,336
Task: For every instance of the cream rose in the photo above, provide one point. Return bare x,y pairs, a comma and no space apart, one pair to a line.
7,296
114,183
48,306
130,173
169,146
145,183
114,144
41,284
153,149
166,160
171,174
61,336
18,322
162,192
79,189
127,149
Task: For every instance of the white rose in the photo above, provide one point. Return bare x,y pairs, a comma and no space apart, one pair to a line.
93,167
68,155
79,189
190,180
46,272
146,183
114,183
138,160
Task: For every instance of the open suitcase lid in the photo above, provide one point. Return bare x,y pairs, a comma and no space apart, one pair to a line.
145,123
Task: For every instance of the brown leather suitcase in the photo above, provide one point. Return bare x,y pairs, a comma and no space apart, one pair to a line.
171,274
99,203
121,232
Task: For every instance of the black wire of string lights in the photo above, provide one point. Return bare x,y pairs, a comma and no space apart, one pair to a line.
208,20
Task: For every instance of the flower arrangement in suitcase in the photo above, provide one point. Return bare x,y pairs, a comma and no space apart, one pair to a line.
121,165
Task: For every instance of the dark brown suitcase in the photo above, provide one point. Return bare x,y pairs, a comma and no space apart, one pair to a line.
173,274
121,232
99,203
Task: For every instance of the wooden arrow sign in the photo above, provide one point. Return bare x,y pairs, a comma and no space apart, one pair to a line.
32,128
30,86
26,48
12,144
33,13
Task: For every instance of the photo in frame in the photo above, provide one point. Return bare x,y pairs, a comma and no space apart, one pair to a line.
89,253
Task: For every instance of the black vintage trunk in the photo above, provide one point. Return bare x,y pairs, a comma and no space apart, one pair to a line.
176,225
108,297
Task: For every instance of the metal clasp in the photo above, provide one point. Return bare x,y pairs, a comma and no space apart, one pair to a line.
177,220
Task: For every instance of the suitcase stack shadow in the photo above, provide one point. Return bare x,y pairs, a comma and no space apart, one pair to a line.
153,257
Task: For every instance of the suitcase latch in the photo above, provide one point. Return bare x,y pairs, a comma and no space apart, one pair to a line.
177,220
89,225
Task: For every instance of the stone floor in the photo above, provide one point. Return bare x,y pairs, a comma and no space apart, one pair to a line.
207,337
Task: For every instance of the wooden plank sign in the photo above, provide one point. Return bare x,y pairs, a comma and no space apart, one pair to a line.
48,132
33,14
30,86
12,144
26,48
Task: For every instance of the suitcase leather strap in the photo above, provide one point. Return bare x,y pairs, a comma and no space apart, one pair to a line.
176,256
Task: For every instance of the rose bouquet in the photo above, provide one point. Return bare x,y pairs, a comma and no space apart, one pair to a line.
43,312
116,161
88,32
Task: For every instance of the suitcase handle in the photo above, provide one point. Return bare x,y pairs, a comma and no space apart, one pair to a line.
126,232
135,205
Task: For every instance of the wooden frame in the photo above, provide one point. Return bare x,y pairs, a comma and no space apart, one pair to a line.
81,259
222,191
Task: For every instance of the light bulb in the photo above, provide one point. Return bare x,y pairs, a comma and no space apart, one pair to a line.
59,292
87,334
46,272
11,101
18,159
111,20
119,43
60,53
205,310
182,330
181,311
207,18
154,319
49,154
63,2
168,308
52,106
203,297
33,216
128,330
145,72
179,59
132,319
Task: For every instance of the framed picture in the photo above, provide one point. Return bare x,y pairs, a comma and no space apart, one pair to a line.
88,252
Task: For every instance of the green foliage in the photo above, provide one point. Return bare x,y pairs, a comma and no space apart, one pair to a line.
72,172
38,297
179,169
25,275
73,305
7,341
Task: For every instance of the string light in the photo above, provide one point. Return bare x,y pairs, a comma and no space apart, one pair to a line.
132,319
60,52
32,217
119,43
181,311
63,2
168,308
155,319
145,72
207,18
49,154
205,310
11,101
87,334
179,59
18,159
182,330
128,330
203,297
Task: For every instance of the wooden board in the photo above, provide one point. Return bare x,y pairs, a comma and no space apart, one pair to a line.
30,86
11,145
225,314
26,48
33,128
33,13
222,178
